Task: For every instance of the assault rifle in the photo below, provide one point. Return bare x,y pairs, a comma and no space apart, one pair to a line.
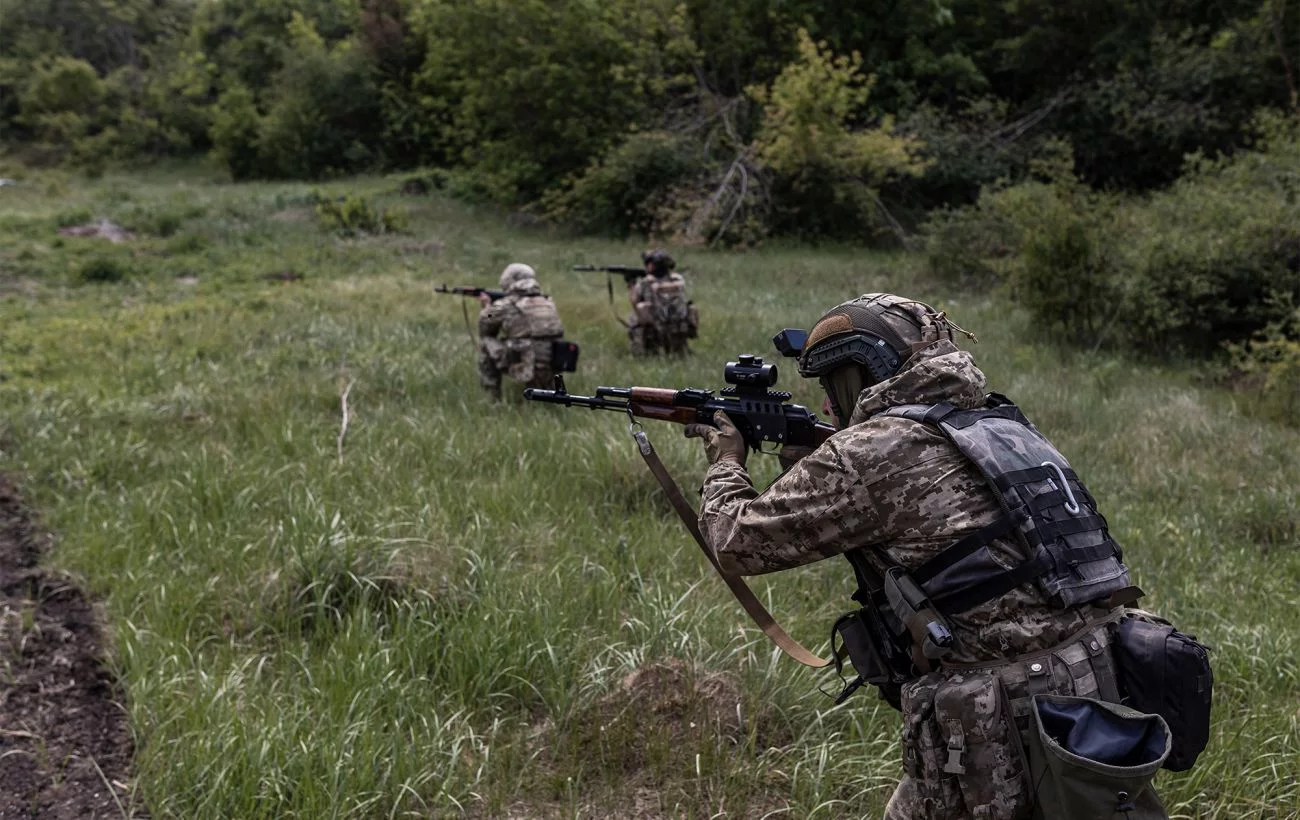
761,415
471,292
630,273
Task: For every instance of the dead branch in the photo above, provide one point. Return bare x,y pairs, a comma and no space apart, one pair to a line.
343,429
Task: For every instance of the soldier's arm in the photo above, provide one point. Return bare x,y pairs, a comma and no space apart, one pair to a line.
491,318
817,509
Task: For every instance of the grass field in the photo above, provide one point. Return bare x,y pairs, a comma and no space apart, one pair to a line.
490,610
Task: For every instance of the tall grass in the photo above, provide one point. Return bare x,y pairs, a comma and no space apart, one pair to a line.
444,620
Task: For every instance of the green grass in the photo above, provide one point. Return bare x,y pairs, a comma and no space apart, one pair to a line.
444,620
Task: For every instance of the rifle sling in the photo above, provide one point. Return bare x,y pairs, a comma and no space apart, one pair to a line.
609,285
747,599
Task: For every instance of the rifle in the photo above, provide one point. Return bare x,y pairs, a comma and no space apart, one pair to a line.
471,291
761,415
630,273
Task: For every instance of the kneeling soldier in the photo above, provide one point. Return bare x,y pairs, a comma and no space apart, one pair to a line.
517,333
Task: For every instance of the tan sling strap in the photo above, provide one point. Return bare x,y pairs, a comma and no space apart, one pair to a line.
747,599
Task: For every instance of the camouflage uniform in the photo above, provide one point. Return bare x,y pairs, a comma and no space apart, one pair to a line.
663,318
516,333
902,490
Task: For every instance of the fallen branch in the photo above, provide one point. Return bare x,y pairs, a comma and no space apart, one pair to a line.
343,430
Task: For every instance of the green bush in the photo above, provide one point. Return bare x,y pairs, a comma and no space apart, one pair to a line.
353,215
624,191
1270,363
103,269
1214,259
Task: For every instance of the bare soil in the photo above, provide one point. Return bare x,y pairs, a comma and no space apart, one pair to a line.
65,748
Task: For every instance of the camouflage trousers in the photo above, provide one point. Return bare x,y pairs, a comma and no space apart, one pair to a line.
965,729
493,365
648,340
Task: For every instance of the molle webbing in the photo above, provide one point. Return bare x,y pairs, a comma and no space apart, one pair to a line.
1046,508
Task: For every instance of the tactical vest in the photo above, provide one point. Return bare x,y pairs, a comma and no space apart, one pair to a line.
1072,557
668,305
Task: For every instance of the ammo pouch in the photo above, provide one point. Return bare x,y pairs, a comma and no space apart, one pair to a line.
1092,760
564,356
1166,673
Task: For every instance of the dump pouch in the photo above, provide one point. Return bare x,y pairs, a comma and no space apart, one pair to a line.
564,356
1092,760
1167,673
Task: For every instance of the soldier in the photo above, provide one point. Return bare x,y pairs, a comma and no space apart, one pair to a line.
893,491
516,333
662,317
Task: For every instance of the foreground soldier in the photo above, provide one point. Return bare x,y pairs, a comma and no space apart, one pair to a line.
516,333
662,317
988,629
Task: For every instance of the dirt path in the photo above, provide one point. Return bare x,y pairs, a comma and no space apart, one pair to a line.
65,750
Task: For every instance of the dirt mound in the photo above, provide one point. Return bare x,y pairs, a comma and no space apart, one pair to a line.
103,229
65,750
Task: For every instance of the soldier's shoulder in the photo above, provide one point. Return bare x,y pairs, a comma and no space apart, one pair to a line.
888,439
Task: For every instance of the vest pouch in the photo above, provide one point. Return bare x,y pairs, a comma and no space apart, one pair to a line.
1165,672
981,746
564,356
520,359
1093,760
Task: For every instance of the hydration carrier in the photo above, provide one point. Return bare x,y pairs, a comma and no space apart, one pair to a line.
1072,557
668,306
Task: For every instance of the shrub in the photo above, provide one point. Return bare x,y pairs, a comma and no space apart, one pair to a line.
1271,364
826,174
624,191
352,215
103,269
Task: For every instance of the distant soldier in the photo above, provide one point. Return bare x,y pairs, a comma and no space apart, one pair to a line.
517,333
663,318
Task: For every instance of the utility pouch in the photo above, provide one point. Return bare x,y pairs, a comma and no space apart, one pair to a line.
1167,673
564,356
872,657
982,747
520,360
1093,760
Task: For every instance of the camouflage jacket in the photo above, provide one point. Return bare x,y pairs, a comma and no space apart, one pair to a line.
660,301
523,313
896,487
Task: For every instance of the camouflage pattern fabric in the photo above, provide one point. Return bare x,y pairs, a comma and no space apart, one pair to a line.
897,488
515,336
662,320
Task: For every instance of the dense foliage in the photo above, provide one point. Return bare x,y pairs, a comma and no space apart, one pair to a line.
729,122
536,98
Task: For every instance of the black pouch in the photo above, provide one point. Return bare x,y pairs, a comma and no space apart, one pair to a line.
564,356
1163,672
875,658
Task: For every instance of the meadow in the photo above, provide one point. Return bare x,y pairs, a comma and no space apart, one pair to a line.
468,609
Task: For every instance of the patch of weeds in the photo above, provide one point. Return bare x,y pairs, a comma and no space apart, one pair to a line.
423,183
103,269
353,215
187,243
77,216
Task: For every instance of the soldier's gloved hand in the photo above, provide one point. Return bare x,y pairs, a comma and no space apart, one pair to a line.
722,442
790,454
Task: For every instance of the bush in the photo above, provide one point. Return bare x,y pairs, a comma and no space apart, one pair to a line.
1213,260
1270,363
103,269
353,215
624,191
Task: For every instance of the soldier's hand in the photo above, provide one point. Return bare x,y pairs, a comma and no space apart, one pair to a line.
722,442
484,300
790,454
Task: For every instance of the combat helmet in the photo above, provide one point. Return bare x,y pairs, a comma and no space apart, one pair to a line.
515,272
660,262
878,332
